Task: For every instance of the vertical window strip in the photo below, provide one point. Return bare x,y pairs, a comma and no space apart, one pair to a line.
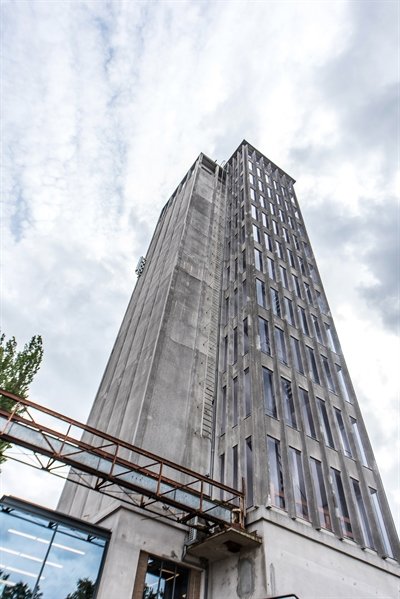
362,514
249,472
276,485
341,504
299,486
321,497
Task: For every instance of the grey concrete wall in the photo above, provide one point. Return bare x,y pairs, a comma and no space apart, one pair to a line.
313,566
157,389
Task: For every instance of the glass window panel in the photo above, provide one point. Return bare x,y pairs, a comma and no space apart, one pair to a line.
271,268
328,374
297,359
343,433
359,442
320,494
275,302
288,403
308,420
299,486
249,472
235,411
312,365
264,335
260,292
258,259
324,422
362,514
341,504
247,392
223,410
276,486
269,395
343,384
289,311
381,522
280,345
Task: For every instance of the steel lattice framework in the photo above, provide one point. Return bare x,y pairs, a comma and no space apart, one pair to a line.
50,441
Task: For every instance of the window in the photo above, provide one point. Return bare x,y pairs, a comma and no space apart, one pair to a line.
276,487
313,273
253,211
245,336
252,194
222,472
296,243
267,240
249,472
291,223
264,336
342,382
235,346
260,186
235,467
244,260
235,302
264,219
256,234
308,293
299,487
271,208
40,548
317,329
280,345
247,392
343,434
236,268
269,396
269,193
262,201
362,514
330,338
271,268
328,374
321,303
321,497
280,214
258,259
165,579
284,277
289,311
279,250
312,365
296,286
291,259
303,321
243,234
275,227
258,172
297,359
341,504
288,404
381,523
223,411
357,436
324,423
285,234
250,165
251,179
235,401
302,267
244,291
306,412
260,293
275,303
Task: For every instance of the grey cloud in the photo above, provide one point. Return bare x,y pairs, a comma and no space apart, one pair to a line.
374,237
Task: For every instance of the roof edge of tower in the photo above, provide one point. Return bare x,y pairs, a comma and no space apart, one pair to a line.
273,164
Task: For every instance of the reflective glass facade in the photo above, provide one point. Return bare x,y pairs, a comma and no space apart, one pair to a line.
44,555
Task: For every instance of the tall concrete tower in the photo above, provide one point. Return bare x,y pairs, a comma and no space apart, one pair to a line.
228,363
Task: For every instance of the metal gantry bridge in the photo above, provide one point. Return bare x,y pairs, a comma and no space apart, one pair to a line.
98,461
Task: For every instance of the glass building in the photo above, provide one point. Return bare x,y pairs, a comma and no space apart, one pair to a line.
46,555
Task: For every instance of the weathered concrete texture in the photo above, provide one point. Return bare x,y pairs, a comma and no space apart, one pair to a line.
154,389
131,534
310,566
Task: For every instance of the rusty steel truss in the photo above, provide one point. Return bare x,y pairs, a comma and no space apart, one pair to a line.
98,461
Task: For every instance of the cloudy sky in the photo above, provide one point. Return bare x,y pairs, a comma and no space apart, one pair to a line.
105,107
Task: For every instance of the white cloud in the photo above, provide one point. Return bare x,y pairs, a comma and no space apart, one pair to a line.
108,104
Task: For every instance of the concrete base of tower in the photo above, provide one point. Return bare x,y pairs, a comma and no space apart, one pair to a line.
149,555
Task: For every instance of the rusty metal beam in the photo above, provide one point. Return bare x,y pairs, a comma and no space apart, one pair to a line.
116,468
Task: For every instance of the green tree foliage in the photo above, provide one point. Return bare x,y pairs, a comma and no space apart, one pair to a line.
17,369
18,591
84,590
